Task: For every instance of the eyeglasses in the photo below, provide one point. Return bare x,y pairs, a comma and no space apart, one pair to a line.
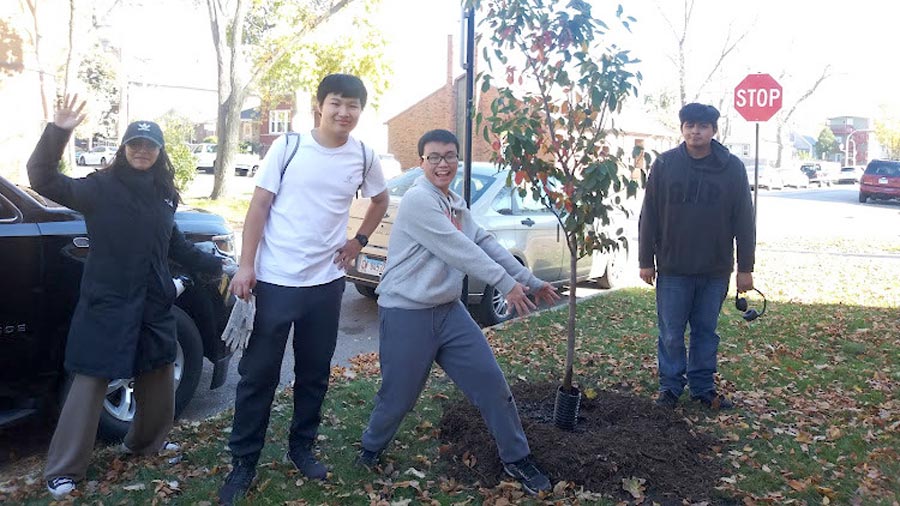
435,159
142,144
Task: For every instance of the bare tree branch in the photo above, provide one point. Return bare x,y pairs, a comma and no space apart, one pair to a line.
727,47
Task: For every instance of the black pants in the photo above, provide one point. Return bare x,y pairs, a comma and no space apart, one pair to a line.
314,312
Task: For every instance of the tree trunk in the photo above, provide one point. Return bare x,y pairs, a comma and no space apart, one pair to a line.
570,328
227,129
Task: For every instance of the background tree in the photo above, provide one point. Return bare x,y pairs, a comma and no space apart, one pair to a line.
887,131
548,122
177,132
10,50
251,38
827,144
98,75
784,116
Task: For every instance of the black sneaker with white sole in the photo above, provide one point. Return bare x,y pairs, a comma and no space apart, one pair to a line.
61,487
527,473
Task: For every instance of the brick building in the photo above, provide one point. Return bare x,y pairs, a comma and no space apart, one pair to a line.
275,120
444,108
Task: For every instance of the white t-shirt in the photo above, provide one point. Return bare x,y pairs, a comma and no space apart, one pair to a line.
308,219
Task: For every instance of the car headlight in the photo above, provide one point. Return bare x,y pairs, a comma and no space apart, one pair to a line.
225,243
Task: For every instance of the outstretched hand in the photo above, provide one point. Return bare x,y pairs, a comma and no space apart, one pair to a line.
69,114
546,293
518,299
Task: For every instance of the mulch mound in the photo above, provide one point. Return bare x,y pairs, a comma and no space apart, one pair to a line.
618,437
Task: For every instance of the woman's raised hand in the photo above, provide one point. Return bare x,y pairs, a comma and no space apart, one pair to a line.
67,115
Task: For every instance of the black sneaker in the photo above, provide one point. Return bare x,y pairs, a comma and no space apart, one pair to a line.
667,399
528,474
304,461
367,458
61,487
238,482
714,400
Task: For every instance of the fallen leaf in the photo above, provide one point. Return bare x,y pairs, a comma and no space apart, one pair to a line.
634,486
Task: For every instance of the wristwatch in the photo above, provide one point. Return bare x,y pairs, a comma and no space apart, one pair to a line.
362,239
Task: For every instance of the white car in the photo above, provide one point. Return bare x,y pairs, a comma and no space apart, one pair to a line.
527,229
245,164
793,178
98,155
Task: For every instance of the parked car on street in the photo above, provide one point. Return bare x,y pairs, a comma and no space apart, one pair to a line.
820,173
881,180
98,155
769,178
245,164
390,166
43,247
524,226
793,178
850,175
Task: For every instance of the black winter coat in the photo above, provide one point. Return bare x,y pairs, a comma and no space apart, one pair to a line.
123,324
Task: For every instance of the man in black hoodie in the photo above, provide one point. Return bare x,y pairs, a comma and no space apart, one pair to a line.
696,206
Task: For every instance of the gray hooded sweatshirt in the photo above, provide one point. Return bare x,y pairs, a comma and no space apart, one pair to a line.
434,242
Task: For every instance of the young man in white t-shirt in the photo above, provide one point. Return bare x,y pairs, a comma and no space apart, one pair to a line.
293,258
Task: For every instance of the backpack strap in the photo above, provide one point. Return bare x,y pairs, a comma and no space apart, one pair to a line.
287,141
366,166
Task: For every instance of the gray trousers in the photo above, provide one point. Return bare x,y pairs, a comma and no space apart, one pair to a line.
73,441
410,341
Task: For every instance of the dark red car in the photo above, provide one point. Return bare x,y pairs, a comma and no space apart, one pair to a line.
881,180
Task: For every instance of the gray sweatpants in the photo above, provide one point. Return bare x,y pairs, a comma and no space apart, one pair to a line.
410,341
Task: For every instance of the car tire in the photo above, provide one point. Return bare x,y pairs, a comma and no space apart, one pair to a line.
863,197
494,308
366,291
118,408
81,161
615,269
103,162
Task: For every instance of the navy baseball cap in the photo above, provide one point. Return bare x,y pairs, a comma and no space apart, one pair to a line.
144,130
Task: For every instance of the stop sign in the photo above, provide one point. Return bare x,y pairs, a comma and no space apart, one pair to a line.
757,97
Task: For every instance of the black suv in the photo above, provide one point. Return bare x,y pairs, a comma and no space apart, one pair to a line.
43,247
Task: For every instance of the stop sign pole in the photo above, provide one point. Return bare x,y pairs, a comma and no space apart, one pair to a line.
757,98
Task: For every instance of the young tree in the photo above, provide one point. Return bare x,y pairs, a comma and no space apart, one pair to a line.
251,39
827,144
887,131
783,116
549,120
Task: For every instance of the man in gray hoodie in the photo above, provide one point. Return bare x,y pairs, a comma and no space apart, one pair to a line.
434,242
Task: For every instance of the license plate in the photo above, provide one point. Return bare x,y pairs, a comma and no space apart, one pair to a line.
370,265
882,180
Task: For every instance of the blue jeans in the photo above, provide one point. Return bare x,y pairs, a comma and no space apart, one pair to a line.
681,300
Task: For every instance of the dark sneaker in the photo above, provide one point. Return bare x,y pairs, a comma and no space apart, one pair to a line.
60,487
367,458
305,462
528,474
238,482
667,399
714,400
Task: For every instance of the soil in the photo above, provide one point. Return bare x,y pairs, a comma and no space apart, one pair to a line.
618,437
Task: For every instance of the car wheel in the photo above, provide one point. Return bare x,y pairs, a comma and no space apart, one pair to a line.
81,161
103,161
494,308
118,407
366,291
863,197
615,269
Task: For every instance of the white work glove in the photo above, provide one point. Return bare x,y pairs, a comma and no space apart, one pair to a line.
240,324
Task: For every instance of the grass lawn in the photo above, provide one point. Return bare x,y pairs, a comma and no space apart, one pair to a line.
816,381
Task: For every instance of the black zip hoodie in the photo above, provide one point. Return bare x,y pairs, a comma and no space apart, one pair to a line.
693,211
